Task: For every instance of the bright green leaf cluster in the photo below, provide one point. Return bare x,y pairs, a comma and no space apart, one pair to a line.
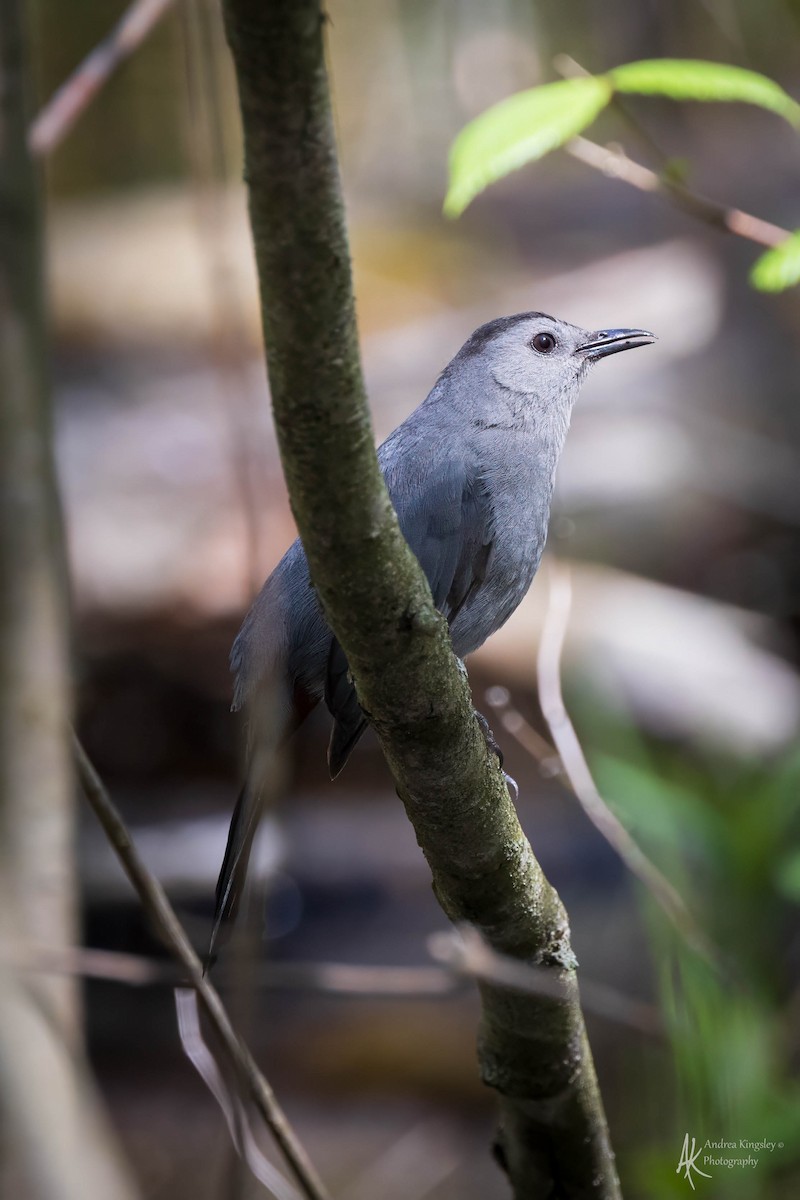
528,125
779,268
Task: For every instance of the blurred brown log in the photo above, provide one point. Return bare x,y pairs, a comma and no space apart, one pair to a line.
55,1138
36,785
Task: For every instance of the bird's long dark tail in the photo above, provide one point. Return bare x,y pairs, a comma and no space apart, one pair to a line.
233,872
247,814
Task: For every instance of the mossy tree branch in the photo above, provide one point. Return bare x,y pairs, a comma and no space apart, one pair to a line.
533,1050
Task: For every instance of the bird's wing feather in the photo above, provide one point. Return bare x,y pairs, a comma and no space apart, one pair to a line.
446,518
448,523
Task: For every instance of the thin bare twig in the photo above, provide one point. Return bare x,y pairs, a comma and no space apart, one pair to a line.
413,1166
569,68
513,722
577,772
325,979
552,765
333,979
613,162
75,95
232,1109
162,914
466,953
133,970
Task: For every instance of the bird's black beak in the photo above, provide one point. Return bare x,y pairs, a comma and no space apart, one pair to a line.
611,341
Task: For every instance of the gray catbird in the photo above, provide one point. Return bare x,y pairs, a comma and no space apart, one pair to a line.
470,474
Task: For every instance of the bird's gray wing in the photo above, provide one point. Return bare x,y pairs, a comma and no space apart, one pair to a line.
448,523
446,517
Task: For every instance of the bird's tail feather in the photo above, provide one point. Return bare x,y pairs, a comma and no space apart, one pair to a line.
344,736
231,881
266,737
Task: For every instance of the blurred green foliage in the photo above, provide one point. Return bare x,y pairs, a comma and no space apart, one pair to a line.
726,834
779,268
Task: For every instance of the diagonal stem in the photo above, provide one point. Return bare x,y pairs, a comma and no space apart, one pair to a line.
615,163
579,776
74,96
157,906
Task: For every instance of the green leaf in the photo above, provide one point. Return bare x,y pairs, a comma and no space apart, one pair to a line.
520,130
693,79
779,268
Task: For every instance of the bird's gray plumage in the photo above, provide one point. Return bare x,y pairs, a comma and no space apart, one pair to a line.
470,474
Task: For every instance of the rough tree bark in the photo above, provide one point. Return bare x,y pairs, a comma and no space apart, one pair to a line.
533,1050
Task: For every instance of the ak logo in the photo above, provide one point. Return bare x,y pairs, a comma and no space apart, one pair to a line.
688,1161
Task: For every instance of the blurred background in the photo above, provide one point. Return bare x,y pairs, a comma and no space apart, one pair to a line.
677,509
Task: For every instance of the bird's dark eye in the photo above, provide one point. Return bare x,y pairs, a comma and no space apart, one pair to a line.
544,343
